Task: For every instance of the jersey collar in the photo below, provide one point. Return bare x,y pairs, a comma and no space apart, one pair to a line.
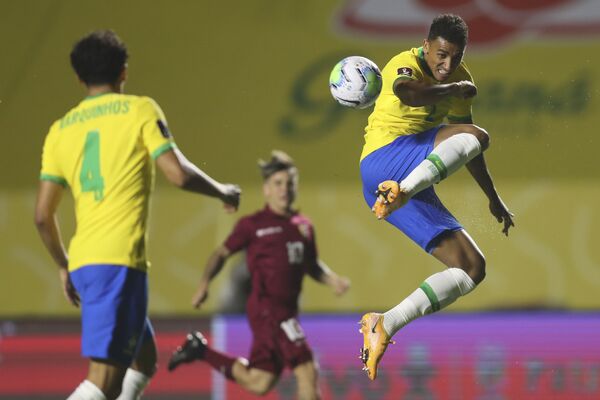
95,96
270,212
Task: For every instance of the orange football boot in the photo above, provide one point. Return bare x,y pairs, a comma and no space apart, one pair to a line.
389,198
376,341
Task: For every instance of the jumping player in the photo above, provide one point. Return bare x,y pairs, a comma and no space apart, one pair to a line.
280,249
104,150
408,149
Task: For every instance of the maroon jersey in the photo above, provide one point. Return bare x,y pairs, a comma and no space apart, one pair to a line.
279,251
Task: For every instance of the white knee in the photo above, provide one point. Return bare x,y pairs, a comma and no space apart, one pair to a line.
454,152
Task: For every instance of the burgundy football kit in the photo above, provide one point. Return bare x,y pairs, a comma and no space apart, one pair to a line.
279,251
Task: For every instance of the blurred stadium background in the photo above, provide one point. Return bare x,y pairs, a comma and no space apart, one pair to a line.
239,79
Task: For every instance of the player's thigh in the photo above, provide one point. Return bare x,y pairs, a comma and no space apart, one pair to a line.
395,161
448,131
457,249
307,380
424,219
114,311
107,376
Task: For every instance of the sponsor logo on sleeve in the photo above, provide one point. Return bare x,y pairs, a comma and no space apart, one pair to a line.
304,230
164,130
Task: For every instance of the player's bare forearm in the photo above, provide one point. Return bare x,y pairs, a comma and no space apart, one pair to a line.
417,94
215,263
199,181
46,204
478,169
48,197
50,234
196,180
323,274
186,175
319,271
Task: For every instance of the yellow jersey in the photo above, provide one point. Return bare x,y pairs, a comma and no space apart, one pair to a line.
103,149
391,118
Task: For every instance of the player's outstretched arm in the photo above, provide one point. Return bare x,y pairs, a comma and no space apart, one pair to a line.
185,175
214,264
322,273
417,94
48,198
478,169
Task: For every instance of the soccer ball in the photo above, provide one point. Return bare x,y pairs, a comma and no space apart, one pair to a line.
355,82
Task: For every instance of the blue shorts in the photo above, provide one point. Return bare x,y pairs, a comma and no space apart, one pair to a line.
424,218
114,306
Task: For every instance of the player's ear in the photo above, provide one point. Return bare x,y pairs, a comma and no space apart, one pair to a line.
425,46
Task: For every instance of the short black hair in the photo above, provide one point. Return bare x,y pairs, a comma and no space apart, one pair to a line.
99,57
279,161
450,27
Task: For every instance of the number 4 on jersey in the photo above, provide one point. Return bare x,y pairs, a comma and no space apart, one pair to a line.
90,177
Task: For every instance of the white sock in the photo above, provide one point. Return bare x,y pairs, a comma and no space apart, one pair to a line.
134,384
444,160
87,391
437,292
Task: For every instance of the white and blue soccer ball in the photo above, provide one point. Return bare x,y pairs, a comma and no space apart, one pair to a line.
355,82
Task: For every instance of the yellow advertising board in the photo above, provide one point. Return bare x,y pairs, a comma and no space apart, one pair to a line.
236,82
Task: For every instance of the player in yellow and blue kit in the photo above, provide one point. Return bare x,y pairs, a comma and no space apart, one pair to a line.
407,149
104,150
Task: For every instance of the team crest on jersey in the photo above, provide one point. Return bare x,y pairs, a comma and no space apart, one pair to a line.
304,230
164,130
405,71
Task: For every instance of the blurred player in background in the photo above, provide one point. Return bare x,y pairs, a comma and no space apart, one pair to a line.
408,149
280,249
104,150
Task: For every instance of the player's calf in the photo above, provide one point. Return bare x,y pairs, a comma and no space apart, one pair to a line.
436,293
254,380
445,159
307,379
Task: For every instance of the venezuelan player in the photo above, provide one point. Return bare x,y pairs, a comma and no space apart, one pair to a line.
280,250
104,150
407,149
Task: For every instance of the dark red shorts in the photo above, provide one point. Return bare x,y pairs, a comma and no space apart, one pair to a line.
275,347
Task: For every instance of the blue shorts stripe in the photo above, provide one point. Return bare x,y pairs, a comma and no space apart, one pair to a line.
114,303
424,218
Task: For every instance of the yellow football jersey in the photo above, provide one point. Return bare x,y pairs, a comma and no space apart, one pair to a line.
103,149
391,118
